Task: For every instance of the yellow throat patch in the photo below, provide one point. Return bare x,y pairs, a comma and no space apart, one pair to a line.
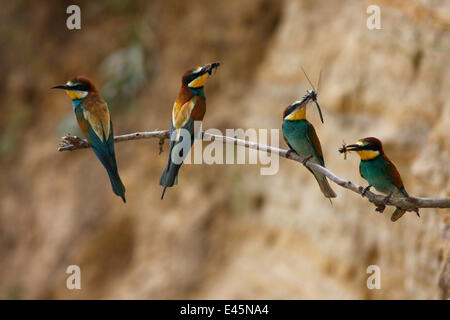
367,154
299,114
74,95
198,82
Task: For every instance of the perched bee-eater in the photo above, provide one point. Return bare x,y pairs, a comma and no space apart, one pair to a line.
189,106
94,120
378,170
302,138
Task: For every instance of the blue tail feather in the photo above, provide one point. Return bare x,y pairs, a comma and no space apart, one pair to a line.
169,177
105,153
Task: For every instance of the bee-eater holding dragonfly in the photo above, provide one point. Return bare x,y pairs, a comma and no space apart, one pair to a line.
378,170
94,120
301,137
189,106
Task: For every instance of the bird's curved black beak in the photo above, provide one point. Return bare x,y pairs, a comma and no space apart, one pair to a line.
354,147
320,111
61,86
210,67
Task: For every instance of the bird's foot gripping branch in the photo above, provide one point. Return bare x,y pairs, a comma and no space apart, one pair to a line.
71,143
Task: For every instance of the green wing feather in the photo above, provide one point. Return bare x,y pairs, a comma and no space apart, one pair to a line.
315,143
103,148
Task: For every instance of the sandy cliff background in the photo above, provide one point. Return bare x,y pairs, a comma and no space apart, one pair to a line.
224,231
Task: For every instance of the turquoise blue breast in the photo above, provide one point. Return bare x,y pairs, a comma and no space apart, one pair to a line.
77,108
198,92
76,103
297,134
376,172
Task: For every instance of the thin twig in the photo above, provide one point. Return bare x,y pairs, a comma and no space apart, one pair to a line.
71,143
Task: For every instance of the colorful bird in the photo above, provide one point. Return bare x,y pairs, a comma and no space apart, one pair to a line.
189,106
94,120
378,170
301,137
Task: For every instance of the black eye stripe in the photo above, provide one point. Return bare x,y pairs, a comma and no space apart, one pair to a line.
81,87
190,77
372,146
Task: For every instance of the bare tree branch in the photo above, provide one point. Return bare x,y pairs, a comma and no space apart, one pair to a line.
70,143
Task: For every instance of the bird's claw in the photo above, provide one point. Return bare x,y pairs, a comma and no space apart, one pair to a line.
387,198
304,161
365,189
381,207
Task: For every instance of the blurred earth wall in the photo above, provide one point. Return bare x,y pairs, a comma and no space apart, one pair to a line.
225,231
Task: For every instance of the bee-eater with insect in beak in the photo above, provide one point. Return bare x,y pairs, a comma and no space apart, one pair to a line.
378,170
94,120
301,137
189,106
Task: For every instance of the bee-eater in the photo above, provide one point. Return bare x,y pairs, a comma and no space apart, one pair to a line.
93,117
189,106
378,170
302,138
